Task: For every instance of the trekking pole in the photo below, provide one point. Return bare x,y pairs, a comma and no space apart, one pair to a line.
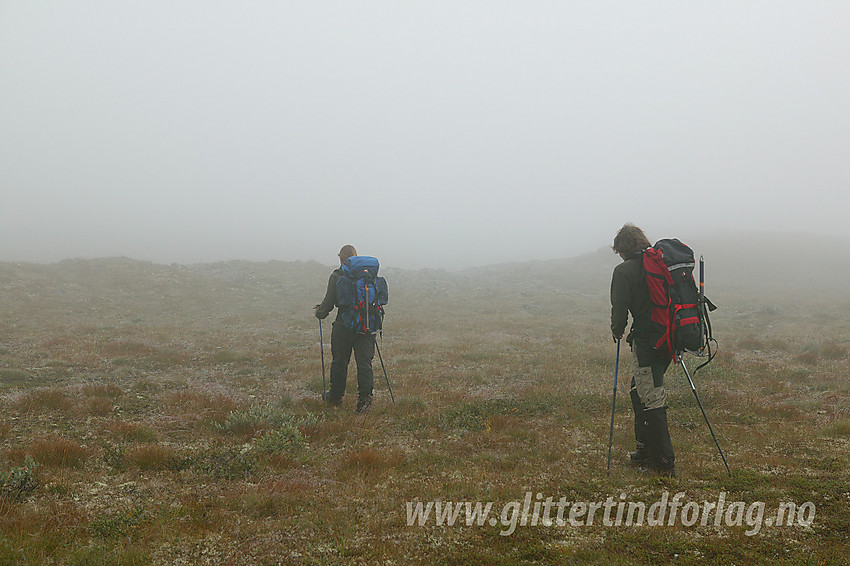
694,389
701,305
613,405
322,350
385,371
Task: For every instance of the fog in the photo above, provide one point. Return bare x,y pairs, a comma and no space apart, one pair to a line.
430,134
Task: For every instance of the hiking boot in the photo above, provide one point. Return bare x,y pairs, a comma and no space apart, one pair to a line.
639,457
332,401
655,469
363,404
663,459
666,472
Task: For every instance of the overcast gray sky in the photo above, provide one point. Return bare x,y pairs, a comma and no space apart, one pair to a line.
438,134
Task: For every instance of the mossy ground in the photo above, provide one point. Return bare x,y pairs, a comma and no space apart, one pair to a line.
172,415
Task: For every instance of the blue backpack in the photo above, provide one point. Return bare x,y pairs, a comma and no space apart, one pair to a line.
361,295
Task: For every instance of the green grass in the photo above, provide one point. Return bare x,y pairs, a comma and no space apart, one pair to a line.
14,377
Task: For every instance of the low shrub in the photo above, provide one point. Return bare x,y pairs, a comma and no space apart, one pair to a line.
16,484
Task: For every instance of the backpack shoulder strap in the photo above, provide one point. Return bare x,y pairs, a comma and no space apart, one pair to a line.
654,266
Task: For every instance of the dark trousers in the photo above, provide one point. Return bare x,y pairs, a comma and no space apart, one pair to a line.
343,341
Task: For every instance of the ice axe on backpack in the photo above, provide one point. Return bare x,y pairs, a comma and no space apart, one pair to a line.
704,306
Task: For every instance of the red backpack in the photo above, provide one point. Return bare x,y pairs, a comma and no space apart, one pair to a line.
679,316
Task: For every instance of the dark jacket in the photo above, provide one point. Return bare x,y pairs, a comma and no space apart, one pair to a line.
630,294
329,302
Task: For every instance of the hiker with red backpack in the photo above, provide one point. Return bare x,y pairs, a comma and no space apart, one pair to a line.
630,294
359,294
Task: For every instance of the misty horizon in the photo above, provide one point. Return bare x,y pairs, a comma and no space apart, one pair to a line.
442,136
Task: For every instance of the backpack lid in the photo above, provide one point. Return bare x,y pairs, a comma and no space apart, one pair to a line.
361,266
675,253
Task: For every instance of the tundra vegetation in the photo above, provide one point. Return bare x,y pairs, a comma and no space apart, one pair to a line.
154,414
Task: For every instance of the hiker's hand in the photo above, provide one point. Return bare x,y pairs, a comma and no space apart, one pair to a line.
615,337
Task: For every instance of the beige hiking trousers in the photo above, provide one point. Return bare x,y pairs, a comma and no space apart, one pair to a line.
651,396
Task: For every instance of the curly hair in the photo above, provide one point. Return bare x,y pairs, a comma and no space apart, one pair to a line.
629,240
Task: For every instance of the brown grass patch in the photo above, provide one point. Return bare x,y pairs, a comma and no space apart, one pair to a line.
829,350
779,410
108,391
203,513
838,428
57,341
167,358
53,451
750,343
331,430
213,407
274,498
131,432
834,351
11,377
48,399
128,348
502,423
809,357
277,359
230,357
280,462
262,506
99,407
370,461
37,522
153,456
286,485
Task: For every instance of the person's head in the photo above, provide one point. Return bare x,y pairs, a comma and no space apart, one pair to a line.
346,252
629,241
